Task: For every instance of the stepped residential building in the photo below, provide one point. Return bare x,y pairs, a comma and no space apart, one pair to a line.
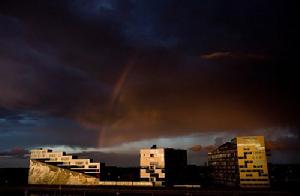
241,162
58,168
65,167
162,166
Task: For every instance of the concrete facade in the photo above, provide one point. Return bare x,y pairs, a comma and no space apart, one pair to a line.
252,161
62,160
241,162
43,173
56,168
162,166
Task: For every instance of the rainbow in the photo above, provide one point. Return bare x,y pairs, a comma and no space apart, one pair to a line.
115,96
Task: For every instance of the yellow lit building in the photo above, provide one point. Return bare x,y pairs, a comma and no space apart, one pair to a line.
252,161
241,162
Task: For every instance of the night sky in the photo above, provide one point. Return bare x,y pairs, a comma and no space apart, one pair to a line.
105,78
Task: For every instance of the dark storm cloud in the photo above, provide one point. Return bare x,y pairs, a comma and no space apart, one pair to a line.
195,66
14,158
284,143
231,25
15,152
231,56
196,148
30,130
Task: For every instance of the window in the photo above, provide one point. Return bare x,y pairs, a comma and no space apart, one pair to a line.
151,155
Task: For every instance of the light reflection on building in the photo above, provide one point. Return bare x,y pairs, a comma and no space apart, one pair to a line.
71,162
162,166
241,162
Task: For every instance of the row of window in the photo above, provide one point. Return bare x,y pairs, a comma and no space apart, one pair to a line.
252,170
152,170
225,167
223,163
254,179
223,155
256,184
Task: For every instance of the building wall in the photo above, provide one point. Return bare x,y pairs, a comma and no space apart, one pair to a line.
152,162
60,159
224,165
162,166
176,163
57,168
241,162
43,173
252,161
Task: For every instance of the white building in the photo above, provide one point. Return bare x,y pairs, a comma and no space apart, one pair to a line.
57,168
60,159
162,166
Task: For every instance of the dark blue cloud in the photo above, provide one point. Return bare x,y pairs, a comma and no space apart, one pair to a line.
11,119
29,132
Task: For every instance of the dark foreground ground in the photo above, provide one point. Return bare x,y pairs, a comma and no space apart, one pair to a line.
285,180
85,191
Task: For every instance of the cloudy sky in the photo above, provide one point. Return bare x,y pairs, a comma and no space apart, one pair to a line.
106,78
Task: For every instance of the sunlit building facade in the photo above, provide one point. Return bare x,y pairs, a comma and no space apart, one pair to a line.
61,159
41,173
47,167
241,162
162,166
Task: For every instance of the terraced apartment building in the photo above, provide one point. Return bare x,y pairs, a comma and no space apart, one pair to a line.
61,159
240,162
50,167
47,167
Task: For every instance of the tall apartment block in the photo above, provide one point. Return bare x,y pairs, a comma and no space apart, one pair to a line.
162,166
241,162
